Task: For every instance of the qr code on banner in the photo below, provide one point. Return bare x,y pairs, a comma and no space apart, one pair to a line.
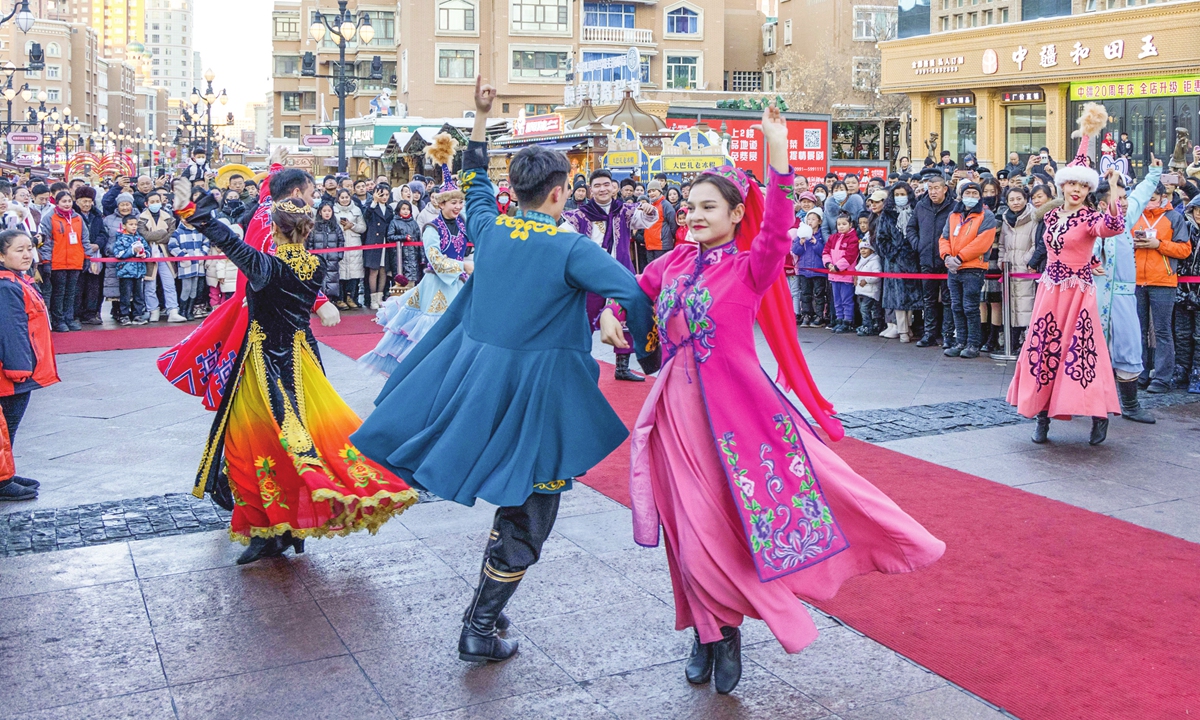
812,139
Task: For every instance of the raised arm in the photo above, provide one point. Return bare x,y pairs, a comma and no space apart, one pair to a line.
1143,192
480,211
771,246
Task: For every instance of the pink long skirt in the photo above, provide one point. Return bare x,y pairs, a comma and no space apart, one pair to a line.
712,573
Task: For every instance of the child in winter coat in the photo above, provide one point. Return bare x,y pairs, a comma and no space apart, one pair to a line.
841,254
26,354
129,244
221,276
808,244
405,232
681,228
869,290
187,241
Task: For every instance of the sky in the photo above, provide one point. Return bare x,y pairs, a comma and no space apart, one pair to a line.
233,38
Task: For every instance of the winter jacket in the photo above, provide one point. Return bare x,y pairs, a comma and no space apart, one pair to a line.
156,230
123,247
94,221
378,218
57,248
1156,267
661,234
26,352
351,265
841,251
871,287
188,242
328,234
854,205
808,254
1017,245
1189,293
969,235
897,255
925,228
403,229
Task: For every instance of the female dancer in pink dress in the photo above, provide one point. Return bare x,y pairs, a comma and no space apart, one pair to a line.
1064,367
756,510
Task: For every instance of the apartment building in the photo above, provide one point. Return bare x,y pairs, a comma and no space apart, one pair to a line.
690,51
69,79
119,24
169,39
122,99
298,103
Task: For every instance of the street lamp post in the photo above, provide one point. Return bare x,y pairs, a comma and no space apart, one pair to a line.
344,28
210,98
9,94
25,19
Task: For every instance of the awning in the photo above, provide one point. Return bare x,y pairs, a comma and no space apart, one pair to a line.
560,145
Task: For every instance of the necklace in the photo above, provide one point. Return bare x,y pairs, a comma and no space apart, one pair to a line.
299,259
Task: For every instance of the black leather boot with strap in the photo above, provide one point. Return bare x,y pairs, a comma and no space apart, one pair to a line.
479,641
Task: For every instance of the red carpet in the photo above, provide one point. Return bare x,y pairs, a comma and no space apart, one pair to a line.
1042,608
354,335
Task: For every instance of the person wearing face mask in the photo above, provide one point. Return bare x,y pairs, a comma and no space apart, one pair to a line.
924,234
820,191
898,256
233,207
969,235
155,225
842,200
991,308
505,204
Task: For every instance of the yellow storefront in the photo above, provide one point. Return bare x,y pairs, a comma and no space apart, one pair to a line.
1019,86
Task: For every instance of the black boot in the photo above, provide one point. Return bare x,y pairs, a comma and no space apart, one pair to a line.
727,660
297,544
926,340
502,622
986,332
1041,433
1179,378
992,344
1131,408
479,641
623,371
260,548
700,664
1099,430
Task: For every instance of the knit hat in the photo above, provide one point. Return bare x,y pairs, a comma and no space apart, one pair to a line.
1093,118
654,185
125,197
817,211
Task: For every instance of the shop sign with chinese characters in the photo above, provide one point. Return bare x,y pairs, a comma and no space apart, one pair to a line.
1080,55
937,66
806,144
964,100
1137,88
1022,96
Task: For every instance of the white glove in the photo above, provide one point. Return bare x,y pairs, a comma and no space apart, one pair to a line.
329,314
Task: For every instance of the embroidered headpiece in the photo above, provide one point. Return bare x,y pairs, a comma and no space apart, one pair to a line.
290,206
441,151
1091,121
740,180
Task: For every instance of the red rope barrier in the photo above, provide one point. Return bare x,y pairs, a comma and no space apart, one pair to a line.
197,258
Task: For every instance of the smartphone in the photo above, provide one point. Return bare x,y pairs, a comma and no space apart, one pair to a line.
1044,157
1139,234
1170,179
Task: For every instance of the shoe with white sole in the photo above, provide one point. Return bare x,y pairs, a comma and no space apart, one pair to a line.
890,333
175,317
154,314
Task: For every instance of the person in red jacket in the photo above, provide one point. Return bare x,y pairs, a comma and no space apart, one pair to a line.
26,355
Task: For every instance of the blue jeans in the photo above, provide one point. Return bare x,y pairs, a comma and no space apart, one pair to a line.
965,286
1155,306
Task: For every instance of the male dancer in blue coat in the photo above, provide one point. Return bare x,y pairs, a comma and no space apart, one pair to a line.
499,401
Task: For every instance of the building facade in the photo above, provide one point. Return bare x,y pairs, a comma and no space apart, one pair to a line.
1020,86
169,39
119,24
122,100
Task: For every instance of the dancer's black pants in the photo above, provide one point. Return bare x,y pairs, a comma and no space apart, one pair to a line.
518,534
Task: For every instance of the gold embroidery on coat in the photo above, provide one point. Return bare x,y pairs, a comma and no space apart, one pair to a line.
552,486
297,257
522,227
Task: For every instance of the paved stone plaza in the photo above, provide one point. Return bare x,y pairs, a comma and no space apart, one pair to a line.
167,626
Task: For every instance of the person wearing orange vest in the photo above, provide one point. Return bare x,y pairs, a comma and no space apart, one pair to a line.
1157,254
968,235
660,236
26,354
66,246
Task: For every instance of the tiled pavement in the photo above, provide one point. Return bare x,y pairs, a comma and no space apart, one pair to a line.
366,627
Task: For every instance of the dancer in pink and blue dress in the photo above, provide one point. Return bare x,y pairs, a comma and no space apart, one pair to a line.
756,510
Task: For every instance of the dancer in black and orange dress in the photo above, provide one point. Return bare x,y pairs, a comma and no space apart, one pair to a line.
278,453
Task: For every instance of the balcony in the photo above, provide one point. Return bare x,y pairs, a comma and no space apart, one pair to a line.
618,36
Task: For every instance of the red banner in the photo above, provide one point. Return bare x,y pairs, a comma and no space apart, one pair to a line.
807,141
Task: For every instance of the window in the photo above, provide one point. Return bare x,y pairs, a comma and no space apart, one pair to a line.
945,23
621,72
291,102
53,50
384,25
286,27
863,73
787,32
958,22
363,69
987,17
457,16
456,65
683,21
769,38
154,38
291,132
1089,6
872,24
53,94
154,26
682,72
539,65
540,16
287,65
532,109
1004,15
1026,128
745,81
973,19
54,72
606,14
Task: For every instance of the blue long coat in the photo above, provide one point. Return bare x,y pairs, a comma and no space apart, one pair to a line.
501,395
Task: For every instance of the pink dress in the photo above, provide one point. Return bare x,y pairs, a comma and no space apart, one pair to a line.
755,509
1064,367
